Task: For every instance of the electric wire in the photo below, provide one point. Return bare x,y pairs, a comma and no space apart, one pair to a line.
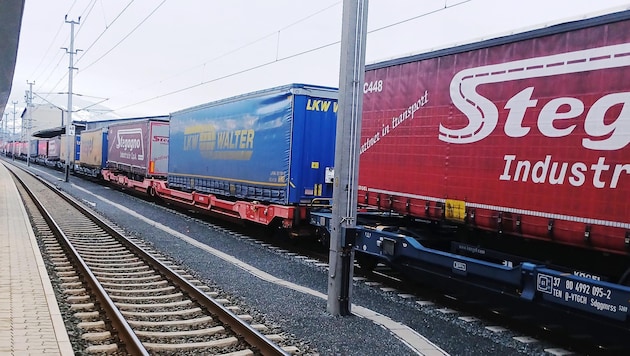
52,42
85,14
418,16
107,27
126,36
237,49
262,65
41,61
236,73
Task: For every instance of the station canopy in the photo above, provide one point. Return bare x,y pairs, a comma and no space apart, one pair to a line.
11,12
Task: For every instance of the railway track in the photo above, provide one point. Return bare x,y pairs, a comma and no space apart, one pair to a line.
483,310
568,333
127,301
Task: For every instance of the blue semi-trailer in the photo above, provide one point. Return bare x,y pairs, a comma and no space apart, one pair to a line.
275,146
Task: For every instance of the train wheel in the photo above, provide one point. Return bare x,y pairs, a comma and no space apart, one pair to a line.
275,231
151,193
367,262
625,278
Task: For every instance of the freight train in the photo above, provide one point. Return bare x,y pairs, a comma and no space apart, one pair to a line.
502,163
264,157
505,142
520,144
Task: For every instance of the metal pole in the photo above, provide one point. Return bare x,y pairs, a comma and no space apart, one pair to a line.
29,106
347,144
5,132
13,135
69,119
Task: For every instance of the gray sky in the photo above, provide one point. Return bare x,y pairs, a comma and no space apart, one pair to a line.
153,57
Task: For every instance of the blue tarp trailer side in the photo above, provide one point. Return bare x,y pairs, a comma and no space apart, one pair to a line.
77,147
275,145
33,146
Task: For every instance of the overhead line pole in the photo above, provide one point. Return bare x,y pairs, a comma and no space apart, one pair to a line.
13,135
347,144
29,121
69,130
6,132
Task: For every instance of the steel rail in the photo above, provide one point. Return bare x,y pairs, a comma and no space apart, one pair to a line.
125,333
252,336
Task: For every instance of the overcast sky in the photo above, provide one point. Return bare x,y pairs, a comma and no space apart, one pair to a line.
154,57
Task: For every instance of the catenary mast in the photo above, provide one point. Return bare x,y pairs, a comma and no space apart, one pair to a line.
347,146
69,131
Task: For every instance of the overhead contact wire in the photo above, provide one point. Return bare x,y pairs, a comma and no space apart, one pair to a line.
124,38
279,59
107,26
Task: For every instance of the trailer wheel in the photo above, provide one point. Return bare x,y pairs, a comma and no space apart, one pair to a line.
151,193
365,261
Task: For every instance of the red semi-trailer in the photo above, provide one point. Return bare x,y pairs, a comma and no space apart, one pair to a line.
521,140
525,134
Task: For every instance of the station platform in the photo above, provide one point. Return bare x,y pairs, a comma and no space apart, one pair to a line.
30,320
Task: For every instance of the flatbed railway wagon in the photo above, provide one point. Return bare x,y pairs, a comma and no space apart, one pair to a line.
264,157
522,139
137,152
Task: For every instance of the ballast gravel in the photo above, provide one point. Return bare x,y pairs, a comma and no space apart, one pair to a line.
301,316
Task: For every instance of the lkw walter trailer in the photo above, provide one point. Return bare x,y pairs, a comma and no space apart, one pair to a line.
265,157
